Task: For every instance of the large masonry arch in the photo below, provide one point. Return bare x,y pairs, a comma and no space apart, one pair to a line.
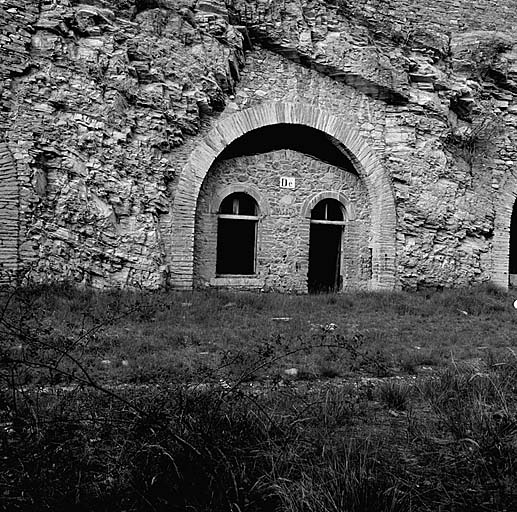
365,161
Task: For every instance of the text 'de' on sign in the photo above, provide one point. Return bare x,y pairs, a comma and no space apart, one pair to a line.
287,182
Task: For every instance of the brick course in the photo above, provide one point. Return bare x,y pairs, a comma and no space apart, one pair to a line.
9,218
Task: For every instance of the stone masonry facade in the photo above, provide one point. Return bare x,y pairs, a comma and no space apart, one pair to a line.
283,228
114,122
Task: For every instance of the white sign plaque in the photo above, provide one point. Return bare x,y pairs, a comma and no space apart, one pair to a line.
287,182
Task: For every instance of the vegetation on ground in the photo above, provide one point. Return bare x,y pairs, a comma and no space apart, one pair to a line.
181,401
141,338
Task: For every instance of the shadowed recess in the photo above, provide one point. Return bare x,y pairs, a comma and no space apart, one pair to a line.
303,139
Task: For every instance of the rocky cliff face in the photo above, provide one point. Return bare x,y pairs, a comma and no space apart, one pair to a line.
101,103
96,97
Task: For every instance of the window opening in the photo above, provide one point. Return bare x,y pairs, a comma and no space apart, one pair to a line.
238,203
236,235
328,209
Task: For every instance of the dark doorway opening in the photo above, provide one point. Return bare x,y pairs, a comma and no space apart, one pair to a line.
513,248
327,222
324,258
236,235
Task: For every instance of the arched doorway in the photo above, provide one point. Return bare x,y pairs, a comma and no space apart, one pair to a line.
327,221
236,235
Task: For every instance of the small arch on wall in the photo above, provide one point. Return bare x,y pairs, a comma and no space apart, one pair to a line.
251,190
312,201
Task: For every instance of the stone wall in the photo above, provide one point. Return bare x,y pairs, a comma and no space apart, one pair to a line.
102,109
283,231
95,101
445,205
439,15
16,26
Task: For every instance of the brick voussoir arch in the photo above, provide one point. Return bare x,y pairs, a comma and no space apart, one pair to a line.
366,162
313,200
501,242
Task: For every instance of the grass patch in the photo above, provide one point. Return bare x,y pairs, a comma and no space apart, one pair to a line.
449,445
138,337
188,401
395,394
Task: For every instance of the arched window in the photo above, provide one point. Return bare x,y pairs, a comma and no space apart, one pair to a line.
327,210
327,221
236,235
